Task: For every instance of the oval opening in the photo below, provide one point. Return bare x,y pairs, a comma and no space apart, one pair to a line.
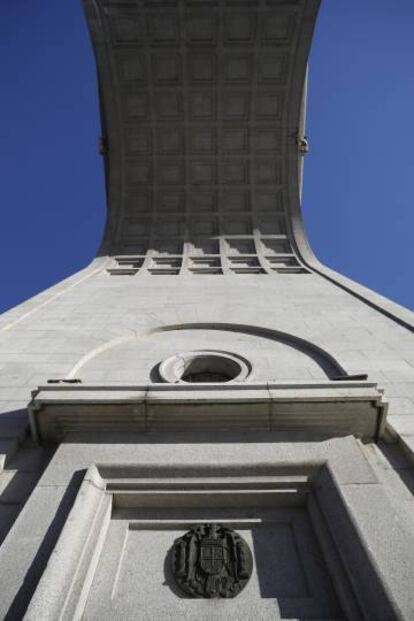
204,369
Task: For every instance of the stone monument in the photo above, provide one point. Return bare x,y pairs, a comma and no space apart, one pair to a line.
206,423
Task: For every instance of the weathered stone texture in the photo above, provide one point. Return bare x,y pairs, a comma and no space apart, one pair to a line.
204,249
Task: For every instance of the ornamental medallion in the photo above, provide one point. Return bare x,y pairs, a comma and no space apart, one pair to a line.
211,561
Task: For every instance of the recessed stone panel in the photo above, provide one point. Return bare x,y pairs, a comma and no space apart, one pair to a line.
125,27
268,200
202,140
277,28
239,28
136,105
173,201
235,171
267,140
275,246
236,140
141,203
267,172
235,200
203,172
132,66
269,104
287,567
135,246
240,225
202,105
167,246
138,140
203,201
268,225
236,246
137,227
272,69
166,68
162,28
203,246
294,571
171,172
168,105
169,139
236,105
139,173
241,262
238,68
169,225
204,225
202,68
201,29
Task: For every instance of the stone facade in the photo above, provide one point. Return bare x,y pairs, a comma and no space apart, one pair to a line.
205,368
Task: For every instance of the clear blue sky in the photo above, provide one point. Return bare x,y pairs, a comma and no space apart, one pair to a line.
358,175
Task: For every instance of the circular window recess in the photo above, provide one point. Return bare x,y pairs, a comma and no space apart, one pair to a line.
200,367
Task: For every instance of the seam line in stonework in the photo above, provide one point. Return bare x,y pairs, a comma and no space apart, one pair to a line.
11,325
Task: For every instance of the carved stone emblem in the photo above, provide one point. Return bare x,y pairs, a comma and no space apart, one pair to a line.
211,561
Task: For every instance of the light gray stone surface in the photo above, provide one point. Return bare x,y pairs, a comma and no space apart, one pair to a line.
306,307
357,517
113,323
144,580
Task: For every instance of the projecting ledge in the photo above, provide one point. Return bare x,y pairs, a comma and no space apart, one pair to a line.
319,408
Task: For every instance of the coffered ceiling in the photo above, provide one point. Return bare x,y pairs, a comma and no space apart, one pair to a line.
201,104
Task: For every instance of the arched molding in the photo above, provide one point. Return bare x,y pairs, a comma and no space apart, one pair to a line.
328,363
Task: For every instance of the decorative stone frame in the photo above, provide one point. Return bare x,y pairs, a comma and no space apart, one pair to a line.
173,369
336,517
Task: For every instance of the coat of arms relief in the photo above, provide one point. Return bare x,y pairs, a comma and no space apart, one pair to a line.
211,560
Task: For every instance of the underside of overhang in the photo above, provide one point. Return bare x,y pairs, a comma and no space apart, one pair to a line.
202,116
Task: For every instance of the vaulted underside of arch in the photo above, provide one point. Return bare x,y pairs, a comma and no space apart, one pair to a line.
201,111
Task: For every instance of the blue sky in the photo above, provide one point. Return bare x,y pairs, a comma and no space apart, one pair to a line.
358,174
